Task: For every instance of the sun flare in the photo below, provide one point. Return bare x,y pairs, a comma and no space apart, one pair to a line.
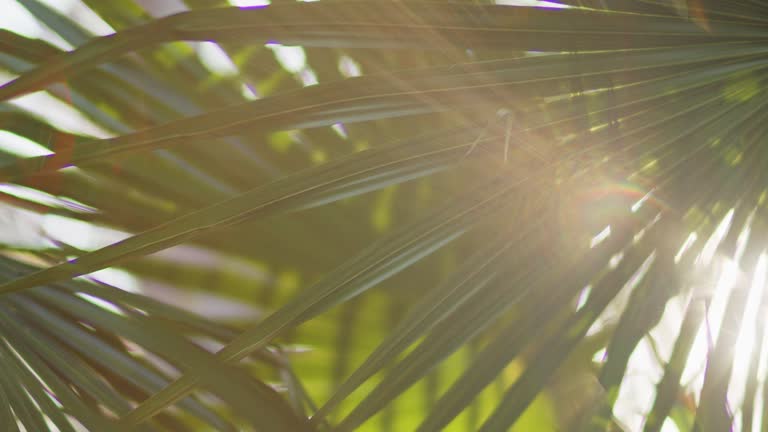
711,282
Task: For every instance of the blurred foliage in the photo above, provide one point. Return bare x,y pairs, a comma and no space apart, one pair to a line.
384,215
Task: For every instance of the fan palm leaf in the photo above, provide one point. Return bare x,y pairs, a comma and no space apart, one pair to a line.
441,215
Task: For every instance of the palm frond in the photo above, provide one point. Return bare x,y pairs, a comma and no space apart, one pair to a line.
447,215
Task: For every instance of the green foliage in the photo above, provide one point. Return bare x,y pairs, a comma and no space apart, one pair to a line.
373,215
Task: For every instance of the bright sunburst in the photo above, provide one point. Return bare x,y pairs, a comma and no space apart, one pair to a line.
712,281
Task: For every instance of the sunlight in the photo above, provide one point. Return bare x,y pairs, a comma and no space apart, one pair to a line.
712,277
89,20
101,303
602,235
619,302
692,237
669,426
714,241
637,388
716,277
19,20
117,278
20,228
533,3
44,198
744,353
216,59
308,77
637,205
248,3
693,375
348,67
583,297
664,333
79,234
57,111
615,260
762,365
20,146
291,58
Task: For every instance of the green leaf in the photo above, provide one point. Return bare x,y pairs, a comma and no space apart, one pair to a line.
419,25
408,93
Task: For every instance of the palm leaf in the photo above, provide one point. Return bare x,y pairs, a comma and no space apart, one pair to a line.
412,235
